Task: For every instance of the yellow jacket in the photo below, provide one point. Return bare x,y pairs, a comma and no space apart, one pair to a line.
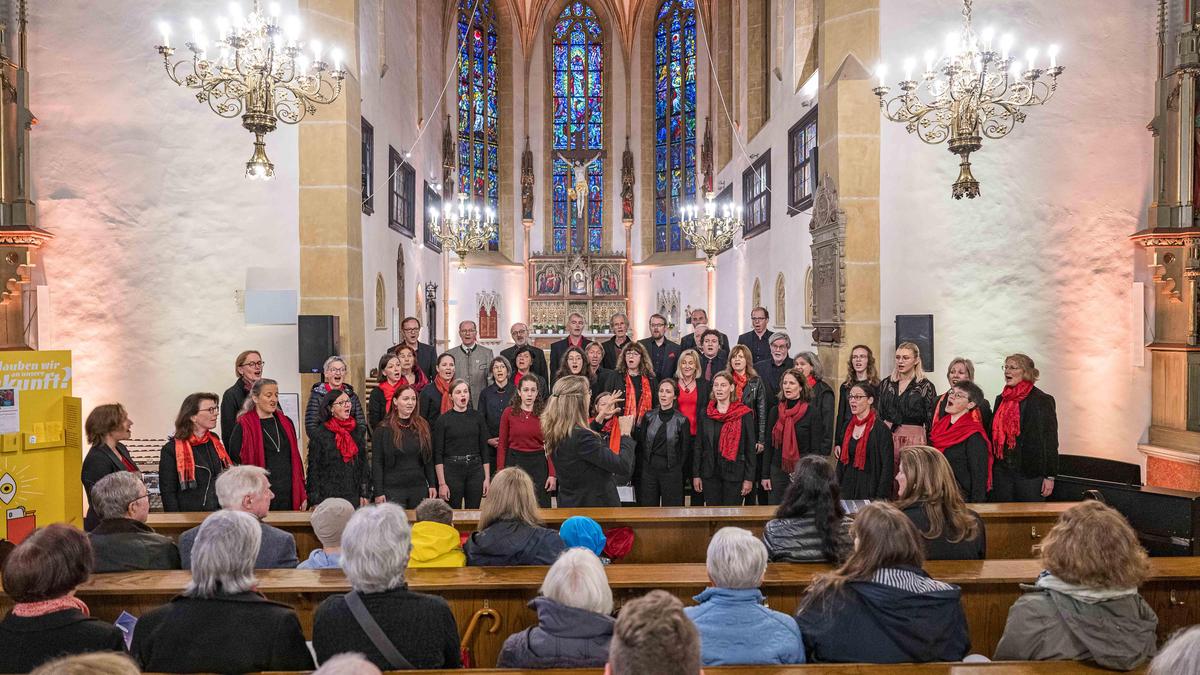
436,545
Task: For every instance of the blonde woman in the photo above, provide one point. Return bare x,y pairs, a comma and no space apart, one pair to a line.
930,497
510,531
587,468
693,391
962,370
1024,436
907,399
1086,605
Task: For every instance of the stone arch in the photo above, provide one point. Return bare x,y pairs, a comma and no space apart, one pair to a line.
380,303
780,302
756,294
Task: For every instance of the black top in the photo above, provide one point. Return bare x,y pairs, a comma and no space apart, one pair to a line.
1036,450
28,642
663,357
126,545
942,548
771,375
586,466
760,347
612,350
236,633
397,469
914,406
969,462
665,438
537,366
329,475
277,457
202,496
99,462
421,626
377,407
808,435
707,461
822,395
460,434
312,413
873,481
429,402
231,405
843,412
492,402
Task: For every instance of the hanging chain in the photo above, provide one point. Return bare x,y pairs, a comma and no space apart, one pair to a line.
966,14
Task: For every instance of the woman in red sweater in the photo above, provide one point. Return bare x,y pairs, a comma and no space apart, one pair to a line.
521,442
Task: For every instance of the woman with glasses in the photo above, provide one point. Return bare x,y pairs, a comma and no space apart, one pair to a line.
1024,436
335,371
866,460
337,454
962,370
860,367
191,460
249,369
264,436
964,441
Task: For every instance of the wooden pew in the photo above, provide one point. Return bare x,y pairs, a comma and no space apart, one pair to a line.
681,535
989,589
1003,668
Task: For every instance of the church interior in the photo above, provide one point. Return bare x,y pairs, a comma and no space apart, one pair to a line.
183,183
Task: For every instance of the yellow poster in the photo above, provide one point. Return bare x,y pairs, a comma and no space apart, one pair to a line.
40,443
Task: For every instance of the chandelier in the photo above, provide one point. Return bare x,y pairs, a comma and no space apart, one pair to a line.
972,91
463,228
257,69
707,231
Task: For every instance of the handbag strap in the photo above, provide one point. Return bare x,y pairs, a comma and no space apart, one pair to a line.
378,638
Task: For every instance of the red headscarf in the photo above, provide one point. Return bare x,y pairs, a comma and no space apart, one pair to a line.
731,427
784,433
1006,425
860,447
944,435
341,435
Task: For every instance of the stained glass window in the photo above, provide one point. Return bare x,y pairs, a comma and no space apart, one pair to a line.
674,119
577,60
478,118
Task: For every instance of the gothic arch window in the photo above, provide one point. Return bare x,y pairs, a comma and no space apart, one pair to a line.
577,126
380,303
674,119
478,105
780,302
756,294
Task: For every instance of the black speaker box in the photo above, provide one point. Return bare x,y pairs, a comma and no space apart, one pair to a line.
318,335
917,329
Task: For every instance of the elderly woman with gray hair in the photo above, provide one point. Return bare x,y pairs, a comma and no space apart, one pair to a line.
334,377
122,541
575,623
220,623
380,618
735,628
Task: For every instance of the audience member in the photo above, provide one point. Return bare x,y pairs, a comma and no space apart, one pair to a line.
47,621
663,353
419,629
220,623
191,460
930,498
435,541
94,663
348,663
334,372
248,368
810,524
1181,654
402,468
1085,606
653,635
106,426
471,359
510,531
337,454
735,628
264,436
575,625
328,521
586,466
880,606
537,362
122,542
583,532
245,488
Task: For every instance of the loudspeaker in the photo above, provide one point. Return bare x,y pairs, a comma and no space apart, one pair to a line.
917,329
318,335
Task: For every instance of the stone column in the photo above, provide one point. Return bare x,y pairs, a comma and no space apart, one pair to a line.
331,266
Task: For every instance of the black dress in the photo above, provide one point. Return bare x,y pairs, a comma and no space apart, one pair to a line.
808,430
873,481
400,473
588,470
722,478
331,476
277,457
100,461
200,497
460,446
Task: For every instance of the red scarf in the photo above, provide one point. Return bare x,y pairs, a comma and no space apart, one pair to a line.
341,435
389,392
444,387
860,447
129,466
812,382
739,384
940,407
633,406
418,383
1006,425
44,607
731,427
784,433
254,452
945,434
185,458
330,387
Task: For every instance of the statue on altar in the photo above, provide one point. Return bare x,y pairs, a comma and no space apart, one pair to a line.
579,171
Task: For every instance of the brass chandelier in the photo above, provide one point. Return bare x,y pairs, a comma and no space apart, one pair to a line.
972,91
257,69
710,228
464,228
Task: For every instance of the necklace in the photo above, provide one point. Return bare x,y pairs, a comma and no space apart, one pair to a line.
276,440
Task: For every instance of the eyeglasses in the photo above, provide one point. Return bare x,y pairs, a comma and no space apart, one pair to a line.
336,371
856,397
254,364
212,410
131,503
342,403
957,395
413,329
657,325
758,318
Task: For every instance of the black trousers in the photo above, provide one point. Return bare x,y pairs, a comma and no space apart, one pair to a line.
408,496
466,484
659,485
719,492
534,464
758,496
779,484
1009,485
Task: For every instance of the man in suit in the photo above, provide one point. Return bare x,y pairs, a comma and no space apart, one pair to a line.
699,326
712,359
663,353
410,330
471,359
619,323
520,336
246,488
758,338
574,339
771,369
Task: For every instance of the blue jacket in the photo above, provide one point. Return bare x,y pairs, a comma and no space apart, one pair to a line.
737,630
320,560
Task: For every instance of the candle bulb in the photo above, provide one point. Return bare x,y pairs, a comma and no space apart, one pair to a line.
881,72
316,47
909,64
337,63
930,56
1006,44
165,29
1053,52
988,34
1031,57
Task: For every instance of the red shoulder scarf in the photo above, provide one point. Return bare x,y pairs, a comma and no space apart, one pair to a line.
443,388
341,435
739,384
1006,425
185,457
633,406
860,446
784,433
944,435
731,427
253,451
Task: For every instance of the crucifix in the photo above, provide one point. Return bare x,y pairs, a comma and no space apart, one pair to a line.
578,162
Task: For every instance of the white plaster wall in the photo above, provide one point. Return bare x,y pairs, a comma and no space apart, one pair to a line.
1040,262
156,227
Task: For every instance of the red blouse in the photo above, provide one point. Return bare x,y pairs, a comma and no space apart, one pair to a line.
520,432
687,404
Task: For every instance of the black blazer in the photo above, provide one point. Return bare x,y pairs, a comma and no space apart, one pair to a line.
538,367
808,430
202,497
28,642
678,438
229,633
707,462
771,375
557,350
664,358
99,462
427,358
429,403
612,351
1036,451
586,467
719,362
